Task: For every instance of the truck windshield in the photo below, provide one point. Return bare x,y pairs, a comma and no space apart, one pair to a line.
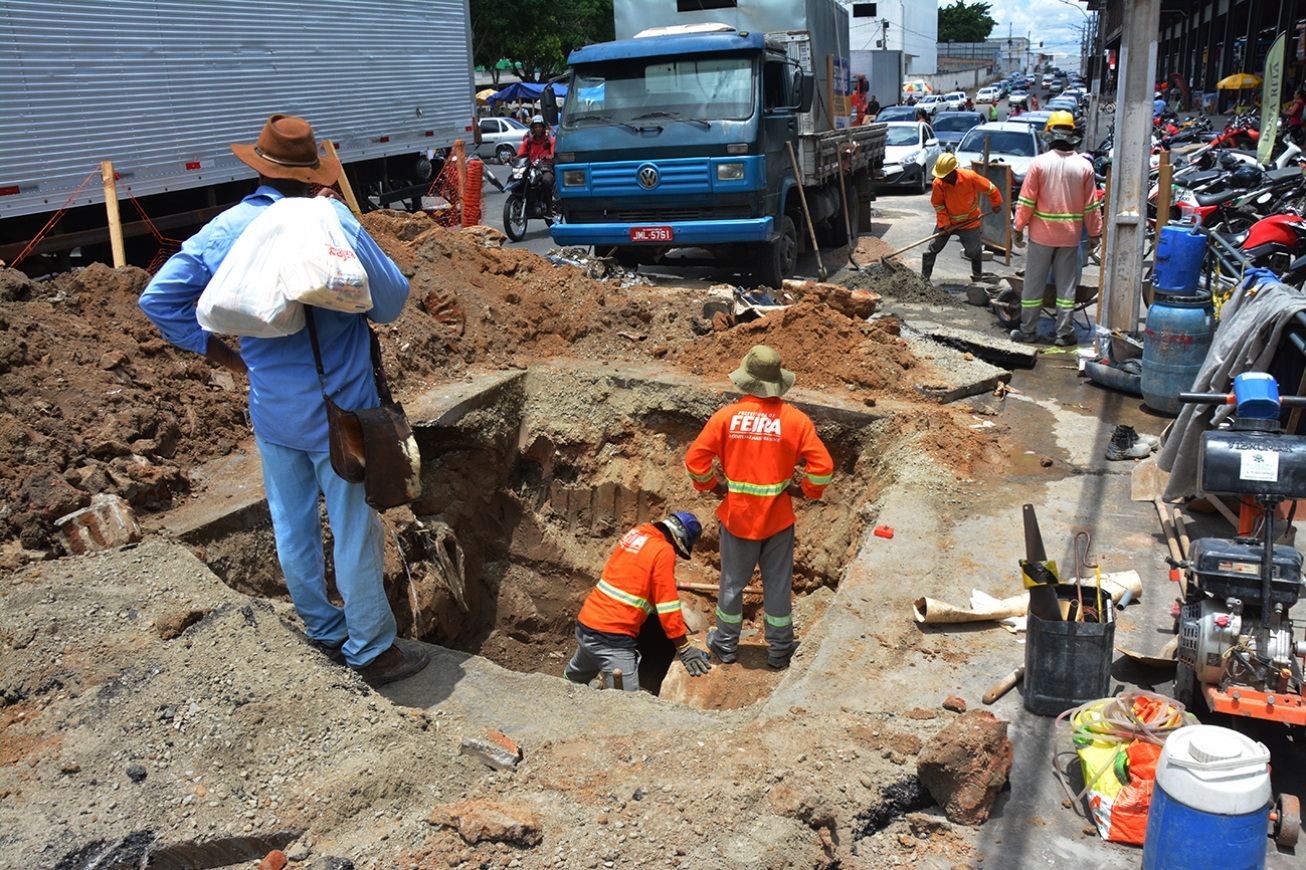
690,88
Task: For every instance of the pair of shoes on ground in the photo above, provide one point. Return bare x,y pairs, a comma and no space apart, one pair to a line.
403,659
1126,443
1059,341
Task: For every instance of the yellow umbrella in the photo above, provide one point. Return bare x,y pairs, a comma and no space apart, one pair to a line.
1239,81
483,97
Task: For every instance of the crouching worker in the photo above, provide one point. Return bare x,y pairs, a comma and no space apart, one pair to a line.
639,580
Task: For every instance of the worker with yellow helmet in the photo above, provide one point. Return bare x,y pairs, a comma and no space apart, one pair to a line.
955,198
1057,201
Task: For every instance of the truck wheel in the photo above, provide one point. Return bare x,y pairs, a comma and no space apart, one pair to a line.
504,154
779,257
514,218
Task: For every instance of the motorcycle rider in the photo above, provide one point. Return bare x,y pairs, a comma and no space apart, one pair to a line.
538,145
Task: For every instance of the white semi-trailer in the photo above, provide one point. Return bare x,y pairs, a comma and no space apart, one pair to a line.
162,88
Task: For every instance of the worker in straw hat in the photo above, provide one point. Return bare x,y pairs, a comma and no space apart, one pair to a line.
288,411
955,198
759,443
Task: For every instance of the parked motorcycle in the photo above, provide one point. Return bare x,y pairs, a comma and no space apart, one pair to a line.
530,195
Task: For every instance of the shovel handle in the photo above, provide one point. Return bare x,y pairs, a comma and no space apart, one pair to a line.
1004,686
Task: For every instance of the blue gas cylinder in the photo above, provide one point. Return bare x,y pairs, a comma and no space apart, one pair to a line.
1175,342
1179,255
1210,804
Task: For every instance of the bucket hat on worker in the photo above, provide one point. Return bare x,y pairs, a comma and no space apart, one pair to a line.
287,149
760,374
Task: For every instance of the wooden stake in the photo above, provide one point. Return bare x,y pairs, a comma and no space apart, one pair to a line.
111,207
350,199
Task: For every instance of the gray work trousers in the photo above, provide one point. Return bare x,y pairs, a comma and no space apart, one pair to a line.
739,556
970,243
592,658
1063,266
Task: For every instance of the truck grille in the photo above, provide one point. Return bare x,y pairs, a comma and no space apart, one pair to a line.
657,215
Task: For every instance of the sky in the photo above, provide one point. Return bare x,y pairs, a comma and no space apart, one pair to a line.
1058,23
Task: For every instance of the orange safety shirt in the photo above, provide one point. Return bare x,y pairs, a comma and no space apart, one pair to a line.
639,579
1057,198
956,205
759,442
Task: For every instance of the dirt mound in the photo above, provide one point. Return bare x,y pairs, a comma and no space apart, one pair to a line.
821,346
94,400
894,281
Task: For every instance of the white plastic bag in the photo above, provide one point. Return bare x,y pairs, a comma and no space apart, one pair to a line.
294,252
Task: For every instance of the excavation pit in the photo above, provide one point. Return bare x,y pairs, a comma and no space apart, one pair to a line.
529,478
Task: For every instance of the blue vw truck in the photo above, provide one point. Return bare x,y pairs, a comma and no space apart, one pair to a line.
687,142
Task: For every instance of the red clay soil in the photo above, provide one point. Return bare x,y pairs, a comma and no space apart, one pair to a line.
93,400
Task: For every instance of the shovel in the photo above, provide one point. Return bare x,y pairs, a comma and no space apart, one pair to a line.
1147,483
886,257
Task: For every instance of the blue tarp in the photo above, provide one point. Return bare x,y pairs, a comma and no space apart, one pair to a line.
524,91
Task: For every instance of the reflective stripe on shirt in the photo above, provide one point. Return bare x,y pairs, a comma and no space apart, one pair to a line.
624,597
703,478
762,489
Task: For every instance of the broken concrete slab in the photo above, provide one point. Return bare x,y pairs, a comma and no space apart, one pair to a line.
956,376
996,349
497,750
478,821
108,523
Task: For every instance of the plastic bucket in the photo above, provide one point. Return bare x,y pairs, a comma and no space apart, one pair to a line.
1178,260
1067,663
1175,343
1211,802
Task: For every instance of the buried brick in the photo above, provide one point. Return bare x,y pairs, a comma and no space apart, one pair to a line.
478,821
108,523
966,764
495,749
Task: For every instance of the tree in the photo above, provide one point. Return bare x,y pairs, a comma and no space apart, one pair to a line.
536,36
965,22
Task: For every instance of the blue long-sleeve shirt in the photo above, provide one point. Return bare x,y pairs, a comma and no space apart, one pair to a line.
285,397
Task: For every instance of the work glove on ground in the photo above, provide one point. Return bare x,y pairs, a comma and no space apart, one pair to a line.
694,660
1018,237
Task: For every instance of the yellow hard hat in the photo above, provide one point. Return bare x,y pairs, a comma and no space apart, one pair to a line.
946,164
1060,118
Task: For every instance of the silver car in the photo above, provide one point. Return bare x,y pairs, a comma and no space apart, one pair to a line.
500,138
910,150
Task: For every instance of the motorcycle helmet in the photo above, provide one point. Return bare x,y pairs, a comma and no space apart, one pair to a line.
1245,177
537,119
684,529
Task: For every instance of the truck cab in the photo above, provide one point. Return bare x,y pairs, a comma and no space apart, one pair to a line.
681,138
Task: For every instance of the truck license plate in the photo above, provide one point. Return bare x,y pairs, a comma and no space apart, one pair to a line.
651,234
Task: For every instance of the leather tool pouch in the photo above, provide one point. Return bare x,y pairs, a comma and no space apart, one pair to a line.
374,446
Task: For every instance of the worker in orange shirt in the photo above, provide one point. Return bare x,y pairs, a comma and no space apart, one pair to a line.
639,580
759,442
956,205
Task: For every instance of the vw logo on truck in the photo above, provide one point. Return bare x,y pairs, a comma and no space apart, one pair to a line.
648,177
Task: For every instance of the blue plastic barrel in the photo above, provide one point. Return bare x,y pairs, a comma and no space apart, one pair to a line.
1210,803
1175,342
1178,260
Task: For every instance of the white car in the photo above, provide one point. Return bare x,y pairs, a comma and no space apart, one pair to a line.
500,138
910,150
956,101
1017,98
1010,142
932,103
986,95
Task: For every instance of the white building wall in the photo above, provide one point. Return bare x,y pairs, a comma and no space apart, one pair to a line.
913,30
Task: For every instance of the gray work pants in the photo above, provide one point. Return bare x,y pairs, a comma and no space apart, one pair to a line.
592,658
739,556
970,243
1063,265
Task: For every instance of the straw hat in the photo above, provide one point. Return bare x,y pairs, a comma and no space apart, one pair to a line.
760,374
287,149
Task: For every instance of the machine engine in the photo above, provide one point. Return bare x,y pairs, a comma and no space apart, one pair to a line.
1223,649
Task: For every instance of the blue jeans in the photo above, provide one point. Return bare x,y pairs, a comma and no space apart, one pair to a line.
293,479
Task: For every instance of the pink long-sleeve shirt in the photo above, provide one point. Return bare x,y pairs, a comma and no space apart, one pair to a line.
1057,197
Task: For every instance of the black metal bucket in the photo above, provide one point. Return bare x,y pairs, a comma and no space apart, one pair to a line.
1068,663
